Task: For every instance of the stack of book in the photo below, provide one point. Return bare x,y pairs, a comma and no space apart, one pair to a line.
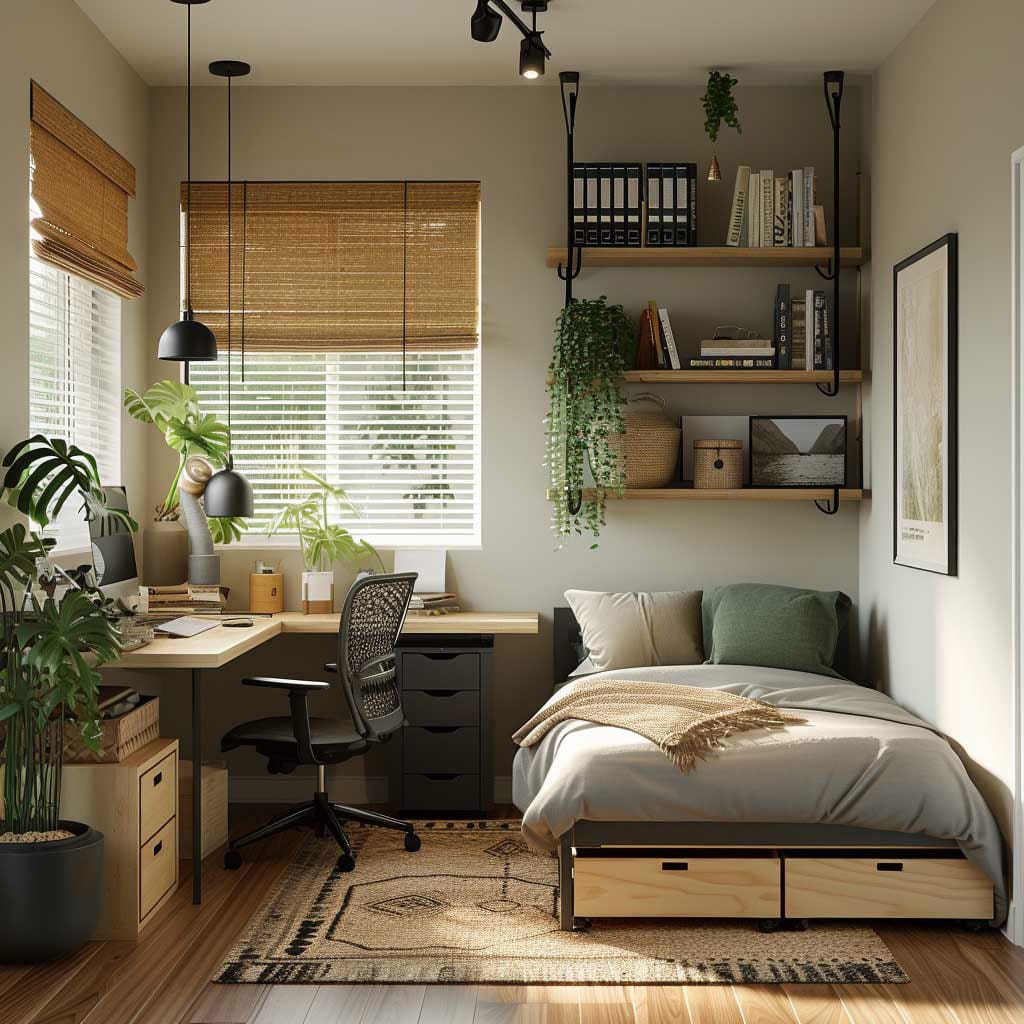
735,354
804,334
671,205
656,346
186,599
770,209
434,604
607,204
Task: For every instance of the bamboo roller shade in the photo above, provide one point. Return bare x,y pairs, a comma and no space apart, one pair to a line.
324,264
82,187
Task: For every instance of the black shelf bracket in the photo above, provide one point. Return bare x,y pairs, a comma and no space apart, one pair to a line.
569,82
829,507
833,83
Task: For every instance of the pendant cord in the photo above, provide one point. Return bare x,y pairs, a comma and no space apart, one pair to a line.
245,224
229,271
405,278
188,172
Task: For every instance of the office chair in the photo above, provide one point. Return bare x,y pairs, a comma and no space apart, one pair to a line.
371,622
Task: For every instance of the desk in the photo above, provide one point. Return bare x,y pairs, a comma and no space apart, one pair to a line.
217,647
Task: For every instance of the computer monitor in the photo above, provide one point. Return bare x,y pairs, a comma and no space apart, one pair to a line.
113,549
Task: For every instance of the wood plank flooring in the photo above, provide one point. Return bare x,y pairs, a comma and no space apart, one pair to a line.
957,978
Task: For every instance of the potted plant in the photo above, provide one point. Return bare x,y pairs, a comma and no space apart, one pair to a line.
719,105
322,543
593,344
51,879
173,408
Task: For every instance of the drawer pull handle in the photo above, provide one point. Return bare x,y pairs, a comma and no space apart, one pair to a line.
156,849
675,865
440,657
442,776
158,778
889,867
440,693
441,728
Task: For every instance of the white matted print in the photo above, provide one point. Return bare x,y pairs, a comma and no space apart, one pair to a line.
924,408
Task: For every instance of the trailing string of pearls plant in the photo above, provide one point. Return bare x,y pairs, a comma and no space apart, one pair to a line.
593,342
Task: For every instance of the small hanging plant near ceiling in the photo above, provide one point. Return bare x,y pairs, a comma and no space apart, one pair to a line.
593,342
719,105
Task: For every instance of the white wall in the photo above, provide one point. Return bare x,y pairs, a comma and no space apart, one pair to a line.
946,120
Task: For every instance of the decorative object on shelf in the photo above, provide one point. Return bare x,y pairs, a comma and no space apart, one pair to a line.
648,450
569,89
322,543
925,408
797,451
188,339
730,428
593,346
717,464
266,592
736,348
719,105
485,24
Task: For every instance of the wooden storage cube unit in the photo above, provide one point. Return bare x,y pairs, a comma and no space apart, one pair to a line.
215,807
676,883
884,884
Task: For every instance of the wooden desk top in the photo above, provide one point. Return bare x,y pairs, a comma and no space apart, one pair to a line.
216,647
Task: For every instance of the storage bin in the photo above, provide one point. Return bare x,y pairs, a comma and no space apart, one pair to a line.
120,737
650,446
717,465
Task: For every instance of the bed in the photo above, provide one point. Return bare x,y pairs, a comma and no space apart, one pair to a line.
864,811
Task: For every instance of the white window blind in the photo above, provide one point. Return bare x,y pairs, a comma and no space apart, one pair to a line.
409,459
75,377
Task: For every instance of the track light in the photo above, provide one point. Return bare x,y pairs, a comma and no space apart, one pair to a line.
531,56
485,23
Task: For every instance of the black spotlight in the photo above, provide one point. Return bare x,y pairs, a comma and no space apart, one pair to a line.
531,56
485,23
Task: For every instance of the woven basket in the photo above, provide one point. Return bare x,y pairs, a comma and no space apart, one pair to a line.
717,465
121,736
650,446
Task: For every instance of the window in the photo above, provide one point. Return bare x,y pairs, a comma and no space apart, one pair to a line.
326,308
75,377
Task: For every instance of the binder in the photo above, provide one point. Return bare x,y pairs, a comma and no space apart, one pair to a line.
671,204
579,205
608,202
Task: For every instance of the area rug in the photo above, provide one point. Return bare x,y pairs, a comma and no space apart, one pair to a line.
476,906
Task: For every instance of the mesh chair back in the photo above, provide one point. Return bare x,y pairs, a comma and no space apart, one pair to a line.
371,622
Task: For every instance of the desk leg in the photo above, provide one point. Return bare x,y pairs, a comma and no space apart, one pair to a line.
197,790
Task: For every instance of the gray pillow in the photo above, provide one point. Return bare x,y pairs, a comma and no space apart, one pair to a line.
635,630
777,627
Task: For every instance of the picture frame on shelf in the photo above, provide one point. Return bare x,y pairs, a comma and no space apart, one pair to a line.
787,451
925,317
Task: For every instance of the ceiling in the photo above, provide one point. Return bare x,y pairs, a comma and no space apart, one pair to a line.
427,42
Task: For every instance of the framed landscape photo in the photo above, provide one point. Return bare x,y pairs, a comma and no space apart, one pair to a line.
797,451
924,408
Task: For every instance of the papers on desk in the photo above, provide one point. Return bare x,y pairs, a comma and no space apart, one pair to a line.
186,626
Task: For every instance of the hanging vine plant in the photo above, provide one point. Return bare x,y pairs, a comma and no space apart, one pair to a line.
719,105
593,342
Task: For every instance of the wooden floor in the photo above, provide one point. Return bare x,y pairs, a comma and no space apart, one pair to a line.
162,979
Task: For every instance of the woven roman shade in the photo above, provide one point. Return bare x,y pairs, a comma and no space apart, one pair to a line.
81,187
333,266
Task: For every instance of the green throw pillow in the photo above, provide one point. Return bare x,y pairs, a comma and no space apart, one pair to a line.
777,627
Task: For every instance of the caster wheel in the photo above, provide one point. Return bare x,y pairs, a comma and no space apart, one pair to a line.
232,860
974,926
412,842
796,924
346,862
769,925
581,924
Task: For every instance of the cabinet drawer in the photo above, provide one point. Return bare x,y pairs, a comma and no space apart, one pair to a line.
677,886
158,868
158,796
440,748
441,671
442,707
438,791
887,887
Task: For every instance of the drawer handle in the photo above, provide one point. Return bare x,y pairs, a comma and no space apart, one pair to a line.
442,776
158,778
441,728
440,693
675,865
156,849
440,657
889,867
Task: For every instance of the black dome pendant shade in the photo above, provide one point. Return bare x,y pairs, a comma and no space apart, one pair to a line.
228,494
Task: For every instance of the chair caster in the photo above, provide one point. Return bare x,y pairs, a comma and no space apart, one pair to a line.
346,862
975,926
412,842
768,925
232,860
795,924
581,924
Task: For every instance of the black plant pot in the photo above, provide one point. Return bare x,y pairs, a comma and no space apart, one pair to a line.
50,895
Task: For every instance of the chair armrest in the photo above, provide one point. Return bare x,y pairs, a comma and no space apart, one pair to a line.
299,685
332,667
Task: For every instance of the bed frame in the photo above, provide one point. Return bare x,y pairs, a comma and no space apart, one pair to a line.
779,874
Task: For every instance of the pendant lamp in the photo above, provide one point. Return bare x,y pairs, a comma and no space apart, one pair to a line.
188,340
228,494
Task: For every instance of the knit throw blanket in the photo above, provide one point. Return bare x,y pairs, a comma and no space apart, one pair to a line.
684,721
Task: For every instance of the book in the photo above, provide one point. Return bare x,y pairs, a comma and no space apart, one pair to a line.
798,207
820,234
809,329
742,343
827,334
732,363
754,212
818,331
767,229
664,360
648,355
767,350
739,205
782,328
691,177
799,333
779,205
810,194
666,330
789,208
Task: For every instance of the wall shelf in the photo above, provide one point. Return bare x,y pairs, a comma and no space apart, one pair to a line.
741,376
738,494
708,256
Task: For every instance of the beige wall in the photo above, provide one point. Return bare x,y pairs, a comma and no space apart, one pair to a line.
946,120
512,140
53,42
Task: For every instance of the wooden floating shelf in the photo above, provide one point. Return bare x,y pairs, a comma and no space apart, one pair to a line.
738,377
738,494
709,256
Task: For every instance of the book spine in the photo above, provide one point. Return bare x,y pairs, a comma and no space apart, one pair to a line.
767,208
809,189
789,209
732,363
691,224
666,328
739,205
634,205
827,343
654,202
733,351
754,212
798,207
783,317
591,225
819,330
605,201
779,212
579,231
661,346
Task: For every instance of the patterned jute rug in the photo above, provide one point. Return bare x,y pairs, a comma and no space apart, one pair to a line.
475,905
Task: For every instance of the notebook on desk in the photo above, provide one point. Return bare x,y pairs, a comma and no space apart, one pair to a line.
186,626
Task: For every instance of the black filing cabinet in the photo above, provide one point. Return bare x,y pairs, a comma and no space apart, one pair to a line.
444,761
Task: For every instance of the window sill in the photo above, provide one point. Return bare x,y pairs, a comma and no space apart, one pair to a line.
260,543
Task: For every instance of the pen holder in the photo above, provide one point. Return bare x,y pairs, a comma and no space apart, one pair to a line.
266,592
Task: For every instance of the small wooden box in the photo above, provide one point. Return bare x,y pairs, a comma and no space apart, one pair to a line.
215,807
266,593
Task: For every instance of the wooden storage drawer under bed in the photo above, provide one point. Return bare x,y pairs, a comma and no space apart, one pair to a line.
676,883
885,884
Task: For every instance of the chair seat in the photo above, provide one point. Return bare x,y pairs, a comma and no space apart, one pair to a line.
330,737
